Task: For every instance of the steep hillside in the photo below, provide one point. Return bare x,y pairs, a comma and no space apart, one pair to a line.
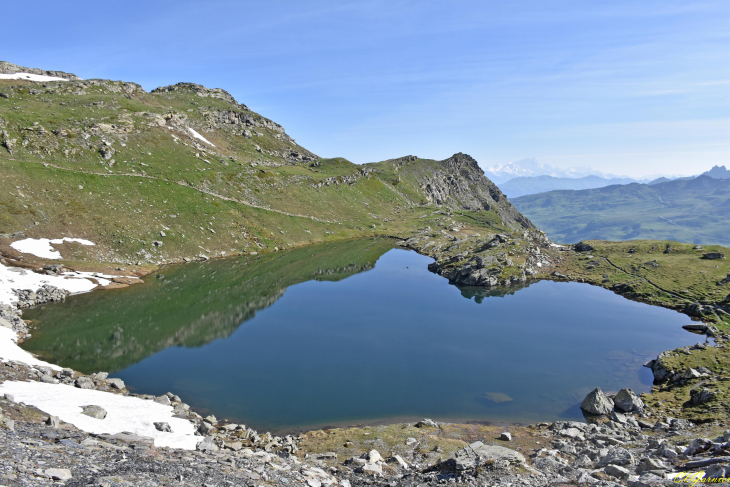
186,171
687,210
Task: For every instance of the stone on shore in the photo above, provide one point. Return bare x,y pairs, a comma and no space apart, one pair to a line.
116,383
627,401
596,402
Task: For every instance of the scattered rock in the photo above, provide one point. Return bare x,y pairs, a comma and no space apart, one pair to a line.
713,256
506,436
701,395
616,471
426,422
59,473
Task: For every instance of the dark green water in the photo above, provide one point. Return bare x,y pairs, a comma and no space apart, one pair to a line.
326,336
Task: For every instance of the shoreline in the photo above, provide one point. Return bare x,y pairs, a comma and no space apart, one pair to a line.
215,437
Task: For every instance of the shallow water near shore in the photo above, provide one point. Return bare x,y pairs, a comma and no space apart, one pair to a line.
357,332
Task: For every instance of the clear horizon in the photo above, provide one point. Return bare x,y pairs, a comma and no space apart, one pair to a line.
628,89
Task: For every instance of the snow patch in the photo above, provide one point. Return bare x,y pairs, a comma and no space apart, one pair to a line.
9,350
198,136
31,77
17,278
124,413
41,247
75,282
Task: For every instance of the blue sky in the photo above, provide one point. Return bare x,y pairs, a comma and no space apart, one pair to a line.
626,87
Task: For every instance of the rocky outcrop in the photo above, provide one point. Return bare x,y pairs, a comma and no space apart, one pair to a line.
199,90
459,182
45,294
10,68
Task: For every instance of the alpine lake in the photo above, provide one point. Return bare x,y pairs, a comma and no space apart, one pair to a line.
357,332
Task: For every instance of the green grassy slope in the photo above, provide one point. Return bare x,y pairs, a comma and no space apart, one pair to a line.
694,211
107,161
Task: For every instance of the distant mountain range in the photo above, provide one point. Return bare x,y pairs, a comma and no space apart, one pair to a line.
694,210
522,186
527,176
530,167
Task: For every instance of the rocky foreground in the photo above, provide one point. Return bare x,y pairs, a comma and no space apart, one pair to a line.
624,443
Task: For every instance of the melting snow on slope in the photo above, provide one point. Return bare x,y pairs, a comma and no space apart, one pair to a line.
124,413
9,350
198,136
31,77
17,278
74,282
41,247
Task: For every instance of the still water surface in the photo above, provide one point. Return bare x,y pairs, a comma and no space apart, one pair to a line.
326,336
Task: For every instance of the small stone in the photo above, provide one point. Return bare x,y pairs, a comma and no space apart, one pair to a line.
370,469
164,400
374,456
53,421
116,383
426,422
616,471
206,428
162,426
84,382
59,473
207,444
96,412
506,436
399,460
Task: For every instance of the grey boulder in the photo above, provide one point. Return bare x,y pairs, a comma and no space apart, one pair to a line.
627,401
96,412
479,453
596,402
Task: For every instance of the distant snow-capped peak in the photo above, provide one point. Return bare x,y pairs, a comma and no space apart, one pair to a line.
531,167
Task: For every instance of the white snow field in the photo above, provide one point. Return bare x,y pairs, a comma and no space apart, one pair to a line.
31,77
124,413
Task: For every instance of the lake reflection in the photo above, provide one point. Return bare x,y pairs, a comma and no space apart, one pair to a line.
263,342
